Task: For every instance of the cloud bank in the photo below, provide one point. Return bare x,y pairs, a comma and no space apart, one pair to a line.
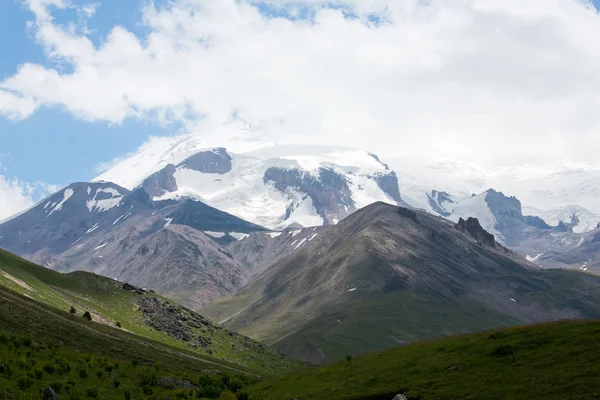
495,81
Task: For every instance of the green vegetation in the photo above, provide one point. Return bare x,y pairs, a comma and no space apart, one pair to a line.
64,300
555,360
27,367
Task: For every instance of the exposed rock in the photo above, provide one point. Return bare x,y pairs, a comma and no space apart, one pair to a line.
215,161
161,182
400,397
328,190
131,288
405,212
210,372
472,226
176,321
436,201
50,394
170,382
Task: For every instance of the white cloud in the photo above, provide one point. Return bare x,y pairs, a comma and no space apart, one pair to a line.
497,81
16,195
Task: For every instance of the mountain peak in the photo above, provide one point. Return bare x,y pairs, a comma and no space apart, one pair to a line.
475,230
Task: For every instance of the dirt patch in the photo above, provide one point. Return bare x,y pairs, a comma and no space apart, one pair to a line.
17,281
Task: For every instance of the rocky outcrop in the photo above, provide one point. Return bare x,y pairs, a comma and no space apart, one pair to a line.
327,189
389,184
175,321
49,394
436,201
474,229
161,182
216,161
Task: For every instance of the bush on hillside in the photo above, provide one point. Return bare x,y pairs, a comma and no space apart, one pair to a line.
87,316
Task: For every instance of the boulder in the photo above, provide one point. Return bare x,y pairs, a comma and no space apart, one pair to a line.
49,394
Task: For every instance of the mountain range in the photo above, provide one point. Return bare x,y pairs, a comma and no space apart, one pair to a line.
316,250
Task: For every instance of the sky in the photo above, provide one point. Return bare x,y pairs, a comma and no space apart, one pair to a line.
498,82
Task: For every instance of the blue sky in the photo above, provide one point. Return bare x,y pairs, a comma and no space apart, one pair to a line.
52,146
445,74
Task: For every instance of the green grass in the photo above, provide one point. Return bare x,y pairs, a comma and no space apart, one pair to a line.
548,361
27,366
108,304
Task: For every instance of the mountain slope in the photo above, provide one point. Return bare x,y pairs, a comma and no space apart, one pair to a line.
129,237
139,312
389,275
558,360
276,186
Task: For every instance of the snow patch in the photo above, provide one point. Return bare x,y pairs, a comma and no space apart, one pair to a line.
312,237
66,196
169,220
513,300
238,236
93,228
273,235
101,246
352,290
531,259
104,204
302,242
215,234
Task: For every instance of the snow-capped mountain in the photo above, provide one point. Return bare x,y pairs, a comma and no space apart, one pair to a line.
553,192
275,186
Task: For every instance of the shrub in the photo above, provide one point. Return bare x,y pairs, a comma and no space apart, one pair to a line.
6,370
116,384
92,392
57,386
147,390
118,324
210,392
49,369
87,316
242,396
62,365
38,373
127,395
82,373
503,351
100,374
25,341
25,383
73,310
134,363
148,378
209,380
75,394
25,363
235,385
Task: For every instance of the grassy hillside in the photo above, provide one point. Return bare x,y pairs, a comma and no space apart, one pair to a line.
41,346
382,277
146,315
550,361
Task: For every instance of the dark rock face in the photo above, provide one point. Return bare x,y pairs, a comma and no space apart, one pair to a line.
536,222
170,382
328,190
206,218
161,182
407,213
215,161
49,394
472,226
175,321
437,199
389,184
